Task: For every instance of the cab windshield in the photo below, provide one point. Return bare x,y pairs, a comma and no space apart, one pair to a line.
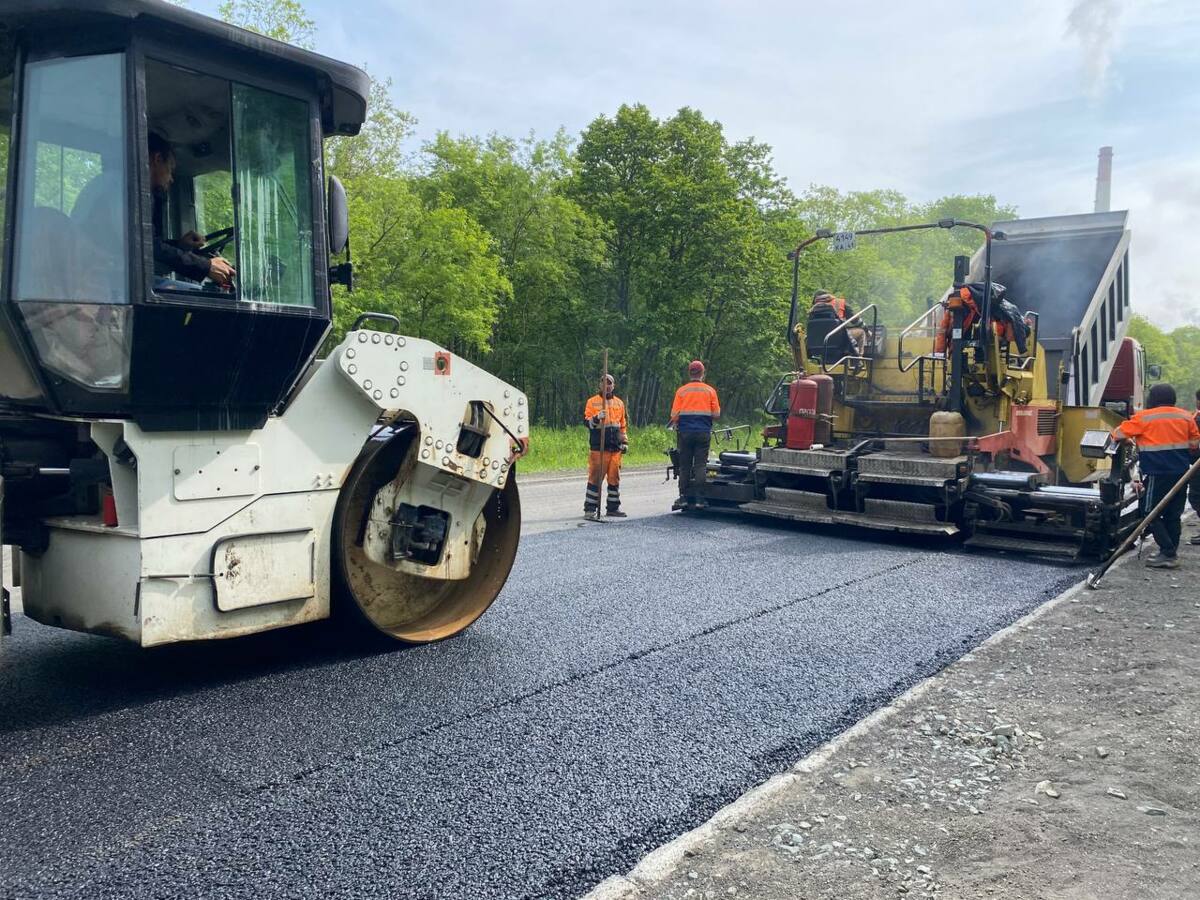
71,243
239,190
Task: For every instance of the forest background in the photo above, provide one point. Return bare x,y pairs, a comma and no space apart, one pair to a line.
661,239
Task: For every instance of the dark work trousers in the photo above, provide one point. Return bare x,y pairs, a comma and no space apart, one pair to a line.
1193,493
693,458
1167,527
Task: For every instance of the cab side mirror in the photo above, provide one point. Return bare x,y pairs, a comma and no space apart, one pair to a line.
339,217
1154,373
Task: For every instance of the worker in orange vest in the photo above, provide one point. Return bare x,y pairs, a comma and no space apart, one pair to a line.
825,306
607,428
1006,318
1167,440
693,412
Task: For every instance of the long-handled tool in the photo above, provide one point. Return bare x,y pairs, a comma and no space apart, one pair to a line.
1093,578
603,433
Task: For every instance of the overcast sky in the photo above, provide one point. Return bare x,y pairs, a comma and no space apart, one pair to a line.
931,98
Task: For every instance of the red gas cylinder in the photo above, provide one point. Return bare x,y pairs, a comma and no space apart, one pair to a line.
824,429
802,414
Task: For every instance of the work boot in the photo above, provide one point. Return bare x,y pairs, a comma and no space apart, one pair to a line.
678,505
616,514
1157,560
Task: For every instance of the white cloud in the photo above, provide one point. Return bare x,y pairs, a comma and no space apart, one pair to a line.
929,98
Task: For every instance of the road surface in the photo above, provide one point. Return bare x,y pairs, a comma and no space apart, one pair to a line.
631,679
553,502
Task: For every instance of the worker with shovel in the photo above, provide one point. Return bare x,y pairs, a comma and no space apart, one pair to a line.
608,440
1167,440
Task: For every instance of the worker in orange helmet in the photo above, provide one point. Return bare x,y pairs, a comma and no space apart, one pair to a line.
693,412
607,428
1167,440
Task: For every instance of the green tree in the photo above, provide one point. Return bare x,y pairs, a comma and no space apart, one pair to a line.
434,268
900,273
283,20
1158,345
1187,354
549,248
695,265
378,149
1177,352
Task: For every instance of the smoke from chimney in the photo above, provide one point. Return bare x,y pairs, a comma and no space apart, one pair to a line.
1104,180
1094,24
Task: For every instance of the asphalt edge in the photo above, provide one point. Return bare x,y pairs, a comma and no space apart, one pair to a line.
657,865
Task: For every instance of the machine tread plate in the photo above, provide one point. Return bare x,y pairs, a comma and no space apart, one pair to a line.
1020,545
840,517
817,461
911,480
783,469
909,468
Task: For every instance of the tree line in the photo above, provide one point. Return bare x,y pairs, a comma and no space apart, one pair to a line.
1177,351
660,239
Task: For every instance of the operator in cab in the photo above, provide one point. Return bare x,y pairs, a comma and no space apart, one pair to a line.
175,260
828,308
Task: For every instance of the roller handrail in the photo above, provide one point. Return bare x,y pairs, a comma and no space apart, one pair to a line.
363,318
846,324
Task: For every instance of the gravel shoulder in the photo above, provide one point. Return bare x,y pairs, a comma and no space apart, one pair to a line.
1058,760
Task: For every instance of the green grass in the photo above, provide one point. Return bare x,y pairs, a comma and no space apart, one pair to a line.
565,449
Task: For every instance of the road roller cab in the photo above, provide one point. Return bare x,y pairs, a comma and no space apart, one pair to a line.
108,310
176,464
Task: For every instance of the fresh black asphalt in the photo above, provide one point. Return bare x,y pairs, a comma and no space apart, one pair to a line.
631,679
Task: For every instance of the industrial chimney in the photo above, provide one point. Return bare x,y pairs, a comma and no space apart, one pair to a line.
1104,180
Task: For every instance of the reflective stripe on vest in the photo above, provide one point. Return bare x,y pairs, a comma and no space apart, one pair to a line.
696,398
1158,448
1155,417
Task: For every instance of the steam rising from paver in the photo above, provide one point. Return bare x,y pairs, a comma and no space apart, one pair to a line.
1094,24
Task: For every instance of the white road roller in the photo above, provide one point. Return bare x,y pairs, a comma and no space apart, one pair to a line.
177,464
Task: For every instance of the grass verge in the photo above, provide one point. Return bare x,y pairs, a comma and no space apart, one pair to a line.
565,449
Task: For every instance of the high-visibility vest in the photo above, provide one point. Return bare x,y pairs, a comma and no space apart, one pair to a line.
1166,438
695,406
838,304
614,425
